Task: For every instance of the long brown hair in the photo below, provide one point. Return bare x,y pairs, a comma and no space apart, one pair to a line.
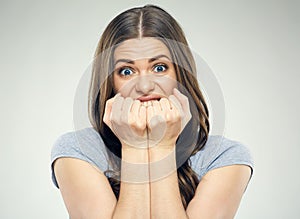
149,21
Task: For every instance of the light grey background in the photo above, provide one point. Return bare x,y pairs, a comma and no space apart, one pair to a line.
252,47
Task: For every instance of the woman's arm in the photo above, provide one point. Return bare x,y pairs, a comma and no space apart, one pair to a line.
87,193
219,193
127,119
164,189
134,198
85,190
165,194
217,196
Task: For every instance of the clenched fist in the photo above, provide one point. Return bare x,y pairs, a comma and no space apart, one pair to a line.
147,124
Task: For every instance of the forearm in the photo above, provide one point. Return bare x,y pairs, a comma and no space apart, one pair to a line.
134,196
133,201
164,189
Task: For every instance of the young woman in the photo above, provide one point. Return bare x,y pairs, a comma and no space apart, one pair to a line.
148,153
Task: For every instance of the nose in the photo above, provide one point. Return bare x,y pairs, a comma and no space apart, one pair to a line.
145,85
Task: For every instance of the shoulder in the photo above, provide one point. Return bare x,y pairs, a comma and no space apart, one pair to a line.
219,152
85,144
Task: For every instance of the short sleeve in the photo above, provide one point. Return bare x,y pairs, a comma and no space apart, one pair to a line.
219,152
85,144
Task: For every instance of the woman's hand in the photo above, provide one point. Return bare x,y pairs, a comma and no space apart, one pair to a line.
127,119
162,120
166,119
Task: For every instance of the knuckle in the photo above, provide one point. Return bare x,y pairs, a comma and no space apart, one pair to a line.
140,125
169,118
105,121
136,102
128,99
185,99
178,117
131,122
115,120
164,100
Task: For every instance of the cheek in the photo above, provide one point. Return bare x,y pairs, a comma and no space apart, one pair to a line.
170,86
124,87
171,82
167,84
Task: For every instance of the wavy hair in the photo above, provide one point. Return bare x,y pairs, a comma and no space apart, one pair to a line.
149,21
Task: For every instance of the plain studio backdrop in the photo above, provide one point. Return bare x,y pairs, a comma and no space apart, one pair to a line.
251,46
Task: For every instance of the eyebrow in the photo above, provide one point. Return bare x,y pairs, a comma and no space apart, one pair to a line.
150,60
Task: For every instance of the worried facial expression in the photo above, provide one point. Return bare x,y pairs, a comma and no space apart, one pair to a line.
143,69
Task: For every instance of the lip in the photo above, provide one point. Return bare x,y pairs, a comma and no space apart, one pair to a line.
149,98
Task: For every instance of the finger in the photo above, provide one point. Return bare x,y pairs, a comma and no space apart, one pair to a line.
135,108
167,113
118,102
142,118
175,104
116,108
107,112
138,110
165,104
145,104
127,103
176,114
156,107
149,115
125,111
184,102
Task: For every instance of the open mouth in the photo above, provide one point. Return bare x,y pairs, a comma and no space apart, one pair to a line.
148,98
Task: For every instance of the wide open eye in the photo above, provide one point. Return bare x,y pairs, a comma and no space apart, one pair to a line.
125,71
160,68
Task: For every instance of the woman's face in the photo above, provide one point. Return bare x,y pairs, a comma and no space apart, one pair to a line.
143,69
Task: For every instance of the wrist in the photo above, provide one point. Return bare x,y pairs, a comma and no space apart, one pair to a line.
162,163
161,151
134,155
134,165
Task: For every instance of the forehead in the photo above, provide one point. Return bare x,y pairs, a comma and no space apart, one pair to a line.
141,48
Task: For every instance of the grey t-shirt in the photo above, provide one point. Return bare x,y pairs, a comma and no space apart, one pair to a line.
86,144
